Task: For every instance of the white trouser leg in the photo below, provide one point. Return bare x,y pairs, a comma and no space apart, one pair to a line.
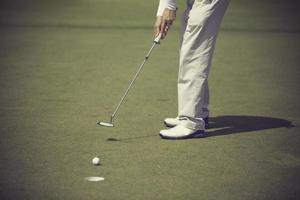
200,27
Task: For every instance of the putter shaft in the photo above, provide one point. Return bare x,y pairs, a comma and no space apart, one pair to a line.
132,81
110,123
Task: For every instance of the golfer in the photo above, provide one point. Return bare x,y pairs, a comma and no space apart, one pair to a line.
200,25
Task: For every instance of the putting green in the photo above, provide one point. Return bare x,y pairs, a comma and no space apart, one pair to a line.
64,65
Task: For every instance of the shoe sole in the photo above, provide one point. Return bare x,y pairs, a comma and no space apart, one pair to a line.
205,120
197,134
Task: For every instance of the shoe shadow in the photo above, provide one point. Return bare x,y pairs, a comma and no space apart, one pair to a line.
228,124
233,124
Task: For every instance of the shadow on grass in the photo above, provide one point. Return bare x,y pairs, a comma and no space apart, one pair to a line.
130,138
231,124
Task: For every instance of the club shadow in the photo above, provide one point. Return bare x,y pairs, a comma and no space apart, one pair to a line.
130,138
236,124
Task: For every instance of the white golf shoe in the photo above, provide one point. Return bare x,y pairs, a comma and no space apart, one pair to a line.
181,132
171,122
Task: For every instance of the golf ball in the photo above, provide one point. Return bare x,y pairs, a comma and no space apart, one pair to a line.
96,161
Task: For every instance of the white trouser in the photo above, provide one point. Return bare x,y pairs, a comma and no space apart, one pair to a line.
200,25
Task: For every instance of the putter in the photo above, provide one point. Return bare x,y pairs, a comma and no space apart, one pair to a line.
110,123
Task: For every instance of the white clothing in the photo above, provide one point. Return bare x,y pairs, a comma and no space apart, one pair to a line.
170,4
200,25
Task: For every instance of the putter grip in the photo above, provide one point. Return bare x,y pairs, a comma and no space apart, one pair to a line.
157,39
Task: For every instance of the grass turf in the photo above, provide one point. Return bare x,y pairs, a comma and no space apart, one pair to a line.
63,66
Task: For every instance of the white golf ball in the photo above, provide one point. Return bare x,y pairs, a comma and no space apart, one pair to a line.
96,161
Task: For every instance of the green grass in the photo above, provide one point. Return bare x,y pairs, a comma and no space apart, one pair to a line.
64,65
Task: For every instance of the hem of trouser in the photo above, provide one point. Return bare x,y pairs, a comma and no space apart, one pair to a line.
193,124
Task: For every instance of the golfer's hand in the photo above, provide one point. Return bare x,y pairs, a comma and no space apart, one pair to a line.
164,23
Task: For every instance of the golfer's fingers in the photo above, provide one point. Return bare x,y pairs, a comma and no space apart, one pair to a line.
165,28
169,22
157,30
161,30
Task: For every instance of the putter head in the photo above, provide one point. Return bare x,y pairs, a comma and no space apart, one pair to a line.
106,124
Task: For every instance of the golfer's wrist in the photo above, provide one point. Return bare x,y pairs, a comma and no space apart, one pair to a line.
169,4
172,5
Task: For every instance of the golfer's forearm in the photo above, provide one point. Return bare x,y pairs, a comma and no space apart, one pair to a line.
170,4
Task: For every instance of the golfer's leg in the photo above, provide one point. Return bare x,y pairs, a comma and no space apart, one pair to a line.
195,59
184,19
205,105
